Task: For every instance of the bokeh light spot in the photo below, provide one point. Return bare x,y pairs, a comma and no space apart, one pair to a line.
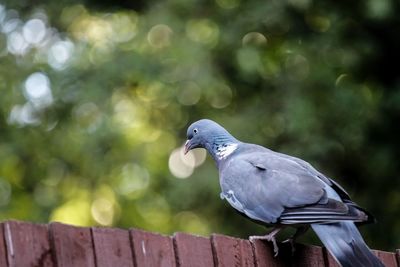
124,26
60,53
297,66
10,24
102,211
133,180
254,38
34,31
129,114
341,78
37,89
221,97
159,36
203,31
95,30
23,115
180,165
199,156
189,94
16,44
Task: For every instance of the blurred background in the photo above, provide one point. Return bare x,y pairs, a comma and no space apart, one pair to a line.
96,96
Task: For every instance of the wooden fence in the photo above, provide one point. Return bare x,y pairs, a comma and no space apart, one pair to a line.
55,244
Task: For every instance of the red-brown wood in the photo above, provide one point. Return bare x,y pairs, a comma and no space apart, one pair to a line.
27,244
72,245
308,256
330,261
112,247
193,251
387,258
264,255
303,256
3,254
152,250
229,251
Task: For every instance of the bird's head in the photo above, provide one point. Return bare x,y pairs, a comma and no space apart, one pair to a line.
202,133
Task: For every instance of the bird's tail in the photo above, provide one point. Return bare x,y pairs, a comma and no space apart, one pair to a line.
344,242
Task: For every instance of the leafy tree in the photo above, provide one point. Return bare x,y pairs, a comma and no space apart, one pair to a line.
96,96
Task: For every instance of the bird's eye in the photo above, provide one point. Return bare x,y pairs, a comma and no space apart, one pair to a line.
195,131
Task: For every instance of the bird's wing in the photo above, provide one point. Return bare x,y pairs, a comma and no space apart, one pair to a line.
309,168
262,186
332,211
274,189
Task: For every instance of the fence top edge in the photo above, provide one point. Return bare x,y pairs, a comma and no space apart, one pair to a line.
173,235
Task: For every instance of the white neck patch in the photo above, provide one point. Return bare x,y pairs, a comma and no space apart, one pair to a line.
224,151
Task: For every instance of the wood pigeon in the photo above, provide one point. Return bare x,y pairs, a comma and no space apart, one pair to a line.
275,189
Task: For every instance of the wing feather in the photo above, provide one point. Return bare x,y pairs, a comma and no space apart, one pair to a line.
331,212
261,186
276,188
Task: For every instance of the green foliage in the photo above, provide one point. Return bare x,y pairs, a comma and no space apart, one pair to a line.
96,97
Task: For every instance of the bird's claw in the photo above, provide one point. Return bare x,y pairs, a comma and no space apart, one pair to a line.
276,249
271,238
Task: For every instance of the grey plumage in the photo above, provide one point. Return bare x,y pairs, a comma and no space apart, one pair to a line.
277,189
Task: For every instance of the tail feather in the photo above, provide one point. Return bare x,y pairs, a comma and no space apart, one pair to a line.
346,245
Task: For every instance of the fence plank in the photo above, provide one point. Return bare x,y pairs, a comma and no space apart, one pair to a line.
387,258
152,249
308,256
330,261
3,255
229,251
112,247
303,256
27,244
264,254
72,245
193,251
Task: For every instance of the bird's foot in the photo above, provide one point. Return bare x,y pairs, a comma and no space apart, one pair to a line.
292,240
269,237
292,243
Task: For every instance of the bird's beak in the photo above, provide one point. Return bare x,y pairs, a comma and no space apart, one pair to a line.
187,147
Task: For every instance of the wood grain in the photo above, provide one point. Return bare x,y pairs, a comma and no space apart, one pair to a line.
193,251
229,251
112,247
27,244
152,249
33,245
72,245
387,258
3,250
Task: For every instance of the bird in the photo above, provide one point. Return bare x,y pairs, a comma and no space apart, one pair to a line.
279,190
